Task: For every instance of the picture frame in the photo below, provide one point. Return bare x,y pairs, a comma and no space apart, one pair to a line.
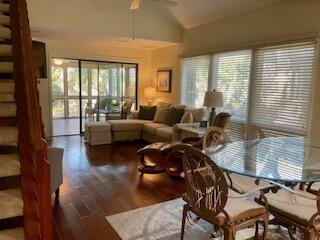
164,78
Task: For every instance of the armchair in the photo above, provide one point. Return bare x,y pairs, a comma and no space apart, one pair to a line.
55,158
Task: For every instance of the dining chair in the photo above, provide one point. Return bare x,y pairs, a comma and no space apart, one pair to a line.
296,210
208,197
240,183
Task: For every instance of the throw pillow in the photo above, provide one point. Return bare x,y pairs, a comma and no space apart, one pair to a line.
187,118
147,113
160,116
174,116
163,105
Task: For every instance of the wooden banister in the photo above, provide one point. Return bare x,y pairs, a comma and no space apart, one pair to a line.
35,169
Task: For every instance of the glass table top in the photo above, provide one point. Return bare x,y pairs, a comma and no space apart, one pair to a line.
289,159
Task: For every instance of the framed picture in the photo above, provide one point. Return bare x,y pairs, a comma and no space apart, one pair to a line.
164,80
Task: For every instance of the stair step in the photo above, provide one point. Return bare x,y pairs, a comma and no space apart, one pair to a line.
8,149
5,49
4,7
9,165
6,97
10,182
12,234
5,33
4,20
8,122
8,109
7,86
11,204
6,67
8,136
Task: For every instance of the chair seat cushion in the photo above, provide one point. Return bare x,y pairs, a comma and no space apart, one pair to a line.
152,127
242,184
239,209
164,132
292,206
127,124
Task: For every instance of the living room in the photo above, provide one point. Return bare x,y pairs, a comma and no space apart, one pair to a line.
151,79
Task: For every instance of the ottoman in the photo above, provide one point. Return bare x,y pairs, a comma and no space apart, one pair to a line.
97,133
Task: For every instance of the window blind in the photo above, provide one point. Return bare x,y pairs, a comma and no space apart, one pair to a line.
281,87
231,75
195,74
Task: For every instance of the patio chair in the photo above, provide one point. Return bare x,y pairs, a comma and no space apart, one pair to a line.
208,197
124,112
296,210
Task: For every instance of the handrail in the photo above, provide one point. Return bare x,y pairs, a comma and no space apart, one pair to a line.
35,169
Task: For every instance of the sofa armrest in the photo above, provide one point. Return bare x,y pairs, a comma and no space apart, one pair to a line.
55,158
134,114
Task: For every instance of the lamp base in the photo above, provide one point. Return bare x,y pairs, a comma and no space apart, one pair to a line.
212,117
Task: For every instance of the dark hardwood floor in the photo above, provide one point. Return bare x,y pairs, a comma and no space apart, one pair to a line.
101,181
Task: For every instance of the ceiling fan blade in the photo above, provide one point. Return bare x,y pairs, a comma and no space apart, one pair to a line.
135,4
167,2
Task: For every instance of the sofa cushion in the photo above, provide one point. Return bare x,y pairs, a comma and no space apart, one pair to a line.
164,132
147,113
174,116
163,105
187,118
160,116
127,124
151,127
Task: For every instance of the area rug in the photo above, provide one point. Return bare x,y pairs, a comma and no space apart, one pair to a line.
163,222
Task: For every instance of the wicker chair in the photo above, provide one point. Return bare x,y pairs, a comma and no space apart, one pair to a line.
239,183
296,210
209,198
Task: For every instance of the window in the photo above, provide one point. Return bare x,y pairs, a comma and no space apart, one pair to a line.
231,75
281,89
195,73
270,87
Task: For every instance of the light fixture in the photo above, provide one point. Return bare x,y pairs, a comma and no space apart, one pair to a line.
213,100
58,61
149,93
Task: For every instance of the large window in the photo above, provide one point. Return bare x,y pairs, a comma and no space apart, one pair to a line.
281,90
269,87
231,75
195,73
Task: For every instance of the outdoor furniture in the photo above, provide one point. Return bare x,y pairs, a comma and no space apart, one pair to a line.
209,198
123,113
97,133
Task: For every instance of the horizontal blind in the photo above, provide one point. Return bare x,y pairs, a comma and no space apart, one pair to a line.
231,76
195,74
281,88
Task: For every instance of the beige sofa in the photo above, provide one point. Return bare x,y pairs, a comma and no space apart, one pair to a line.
134,129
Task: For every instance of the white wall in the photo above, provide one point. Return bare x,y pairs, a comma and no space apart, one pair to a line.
91,52
99,18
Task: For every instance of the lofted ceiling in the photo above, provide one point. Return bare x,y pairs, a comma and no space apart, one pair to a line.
192,13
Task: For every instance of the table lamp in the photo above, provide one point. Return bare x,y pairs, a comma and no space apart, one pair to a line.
213,100
149,93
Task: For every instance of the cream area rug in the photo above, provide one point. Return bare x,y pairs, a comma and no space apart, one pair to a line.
163,222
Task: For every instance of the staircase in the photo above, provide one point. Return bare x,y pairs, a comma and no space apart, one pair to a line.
25,201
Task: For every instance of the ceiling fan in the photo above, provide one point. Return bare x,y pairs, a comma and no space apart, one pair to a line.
135,4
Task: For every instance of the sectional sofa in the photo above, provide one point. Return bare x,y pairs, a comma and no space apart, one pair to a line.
134,128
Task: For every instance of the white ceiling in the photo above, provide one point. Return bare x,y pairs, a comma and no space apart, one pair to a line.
192,13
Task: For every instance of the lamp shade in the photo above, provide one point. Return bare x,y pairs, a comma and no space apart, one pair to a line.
213,99
149,92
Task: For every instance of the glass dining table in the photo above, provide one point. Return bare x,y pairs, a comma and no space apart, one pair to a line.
278,159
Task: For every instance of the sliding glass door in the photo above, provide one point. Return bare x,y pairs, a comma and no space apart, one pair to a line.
90,91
